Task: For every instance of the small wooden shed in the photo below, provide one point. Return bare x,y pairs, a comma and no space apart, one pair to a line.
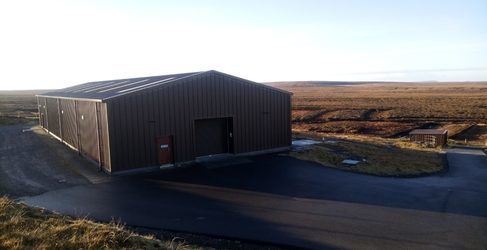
437,136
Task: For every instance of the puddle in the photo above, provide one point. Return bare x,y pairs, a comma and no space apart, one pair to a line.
305,142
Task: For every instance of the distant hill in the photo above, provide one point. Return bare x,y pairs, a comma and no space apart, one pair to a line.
329,83
24,92
348,83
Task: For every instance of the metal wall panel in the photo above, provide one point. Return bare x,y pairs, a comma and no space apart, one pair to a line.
131,123
114,132
52,112
105,149
152,121
41,103
117,127
88,141
69,125
139,133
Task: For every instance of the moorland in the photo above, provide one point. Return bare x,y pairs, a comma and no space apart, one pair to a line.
369,122
384,109
19,104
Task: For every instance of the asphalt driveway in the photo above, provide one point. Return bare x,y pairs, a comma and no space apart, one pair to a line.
278,199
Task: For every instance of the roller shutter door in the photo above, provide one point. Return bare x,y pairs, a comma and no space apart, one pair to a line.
211,136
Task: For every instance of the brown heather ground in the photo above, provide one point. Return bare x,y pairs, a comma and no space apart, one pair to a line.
385,109
18,107
22,103
366,121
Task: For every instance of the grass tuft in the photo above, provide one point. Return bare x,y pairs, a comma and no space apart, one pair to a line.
24,227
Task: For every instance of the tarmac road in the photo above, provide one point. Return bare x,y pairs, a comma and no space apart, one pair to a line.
286,201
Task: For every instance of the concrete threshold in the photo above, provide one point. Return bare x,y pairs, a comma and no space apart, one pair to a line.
221,160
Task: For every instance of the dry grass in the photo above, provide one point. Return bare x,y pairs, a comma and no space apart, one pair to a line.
8,120
383,157
383,109
24,227
19,103
18,107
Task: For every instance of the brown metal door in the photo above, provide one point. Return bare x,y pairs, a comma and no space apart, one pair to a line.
164,150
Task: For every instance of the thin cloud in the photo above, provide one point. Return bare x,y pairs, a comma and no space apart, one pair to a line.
415,71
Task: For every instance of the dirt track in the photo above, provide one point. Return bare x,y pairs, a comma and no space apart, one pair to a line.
29,167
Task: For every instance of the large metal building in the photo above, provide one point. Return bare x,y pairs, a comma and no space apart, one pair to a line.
146,122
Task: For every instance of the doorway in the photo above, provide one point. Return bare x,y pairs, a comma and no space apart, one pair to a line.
213,136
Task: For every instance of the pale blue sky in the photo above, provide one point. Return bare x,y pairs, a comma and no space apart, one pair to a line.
59,43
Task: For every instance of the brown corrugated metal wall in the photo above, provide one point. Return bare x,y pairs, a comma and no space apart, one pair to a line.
41,103
261,118
68,122
105,142
440,139
87,129
52,116
75,123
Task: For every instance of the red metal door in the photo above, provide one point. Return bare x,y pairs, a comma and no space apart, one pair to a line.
164,150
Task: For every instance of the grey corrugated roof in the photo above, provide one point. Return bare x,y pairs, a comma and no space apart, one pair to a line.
428,132
103,90
108,89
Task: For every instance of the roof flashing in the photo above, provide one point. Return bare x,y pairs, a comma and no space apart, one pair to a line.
429,131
